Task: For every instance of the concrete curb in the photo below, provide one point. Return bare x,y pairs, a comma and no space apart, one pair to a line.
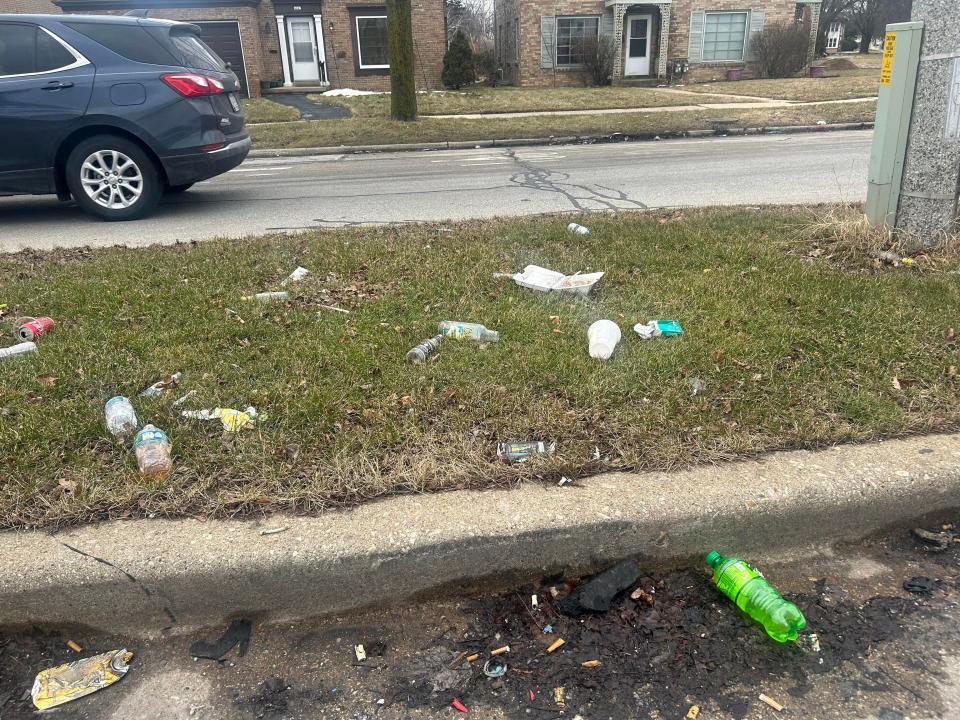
534,142
143,576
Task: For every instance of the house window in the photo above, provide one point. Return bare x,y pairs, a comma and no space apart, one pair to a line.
724,36
834,33
571,32
372,41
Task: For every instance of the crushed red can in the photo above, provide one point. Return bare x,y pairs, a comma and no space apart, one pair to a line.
32,328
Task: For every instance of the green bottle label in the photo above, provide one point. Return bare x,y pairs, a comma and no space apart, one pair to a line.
734,577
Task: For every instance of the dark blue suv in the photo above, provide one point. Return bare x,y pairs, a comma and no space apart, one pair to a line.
113,111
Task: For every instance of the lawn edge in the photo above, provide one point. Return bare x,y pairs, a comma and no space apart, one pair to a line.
533,142
142,577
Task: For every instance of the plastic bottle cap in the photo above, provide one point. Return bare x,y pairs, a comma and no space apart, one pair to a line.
713,558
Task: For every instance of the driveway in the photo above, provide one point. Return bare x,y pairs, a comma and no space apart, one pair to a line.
290,193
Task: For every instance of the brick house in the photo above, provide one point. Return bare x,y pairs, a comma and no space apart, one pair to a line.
318,44
537,40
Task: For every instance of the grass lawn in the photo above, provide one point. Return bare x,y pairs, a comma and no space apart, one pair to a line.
261,110
852,84
379,131
791,351
509,99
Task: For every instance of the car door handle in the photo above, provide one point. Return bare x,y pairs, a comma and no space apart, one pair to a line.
57,85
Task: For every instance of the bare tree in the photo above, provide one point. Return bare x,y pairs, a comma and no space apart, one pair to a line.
474,18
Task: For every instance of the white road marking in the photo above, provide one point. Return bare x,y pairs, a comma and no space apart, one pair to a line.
259,168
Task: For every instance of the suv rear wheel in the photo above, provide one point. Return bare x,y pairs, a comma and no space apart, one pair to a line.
113,178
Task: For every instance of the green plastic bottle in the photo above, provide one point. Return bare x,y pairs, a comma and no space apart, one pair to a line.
756,597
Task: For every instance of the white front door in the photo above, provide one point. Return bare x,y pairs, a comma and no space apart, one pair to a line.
637,57
303,49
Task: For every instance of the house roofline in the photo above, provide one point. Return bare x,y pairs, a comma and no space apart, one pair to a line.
72,5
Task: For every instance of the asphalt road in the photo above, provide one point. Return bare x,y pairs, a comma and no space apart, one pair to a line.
887,654
289,194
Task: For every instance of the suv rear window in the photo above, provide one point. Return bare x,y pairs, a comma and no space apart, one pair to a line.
28,49
195,53
129,41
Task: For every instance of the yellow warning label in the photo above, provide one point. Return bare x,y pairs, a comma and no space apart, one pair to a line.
886,70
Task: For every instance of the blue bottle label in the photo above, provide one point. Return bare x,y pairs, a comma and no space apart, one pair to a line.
148,436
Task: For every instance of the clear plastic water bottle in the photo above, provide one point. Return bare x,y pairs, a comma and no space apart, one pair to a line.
468,331
18,349
421,352
120,417
603,336
578,229
152,447
782,620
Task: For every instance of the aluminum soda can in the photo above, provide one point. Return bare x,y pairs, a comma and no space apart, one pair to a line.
33,328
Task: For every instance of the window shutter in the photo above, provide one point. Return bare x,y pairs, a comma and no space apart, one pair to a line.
695,47
548,40
756,27
606,25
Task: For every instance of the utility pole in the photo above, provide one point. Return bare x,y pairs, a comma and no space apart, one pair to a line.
915,162
931,171
403,89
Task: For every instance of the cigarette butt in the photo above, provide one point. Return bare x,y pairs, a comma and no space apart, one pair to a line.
471,658
592,663
559,697
361,653
693,712
73,646
500,651
553,591
771,702
556,643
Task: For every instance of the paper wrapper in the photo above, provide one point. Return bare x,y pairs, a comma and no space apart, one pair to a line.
70,681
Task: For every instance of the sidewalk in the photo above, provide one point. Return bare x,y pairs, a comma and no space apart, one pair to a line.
140,577
761,103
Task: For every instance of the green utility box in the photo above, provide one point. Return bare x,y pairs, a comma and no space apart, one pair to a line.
898,80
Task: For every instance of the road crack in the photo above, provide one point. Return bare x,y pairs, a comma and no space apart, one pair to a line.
579,196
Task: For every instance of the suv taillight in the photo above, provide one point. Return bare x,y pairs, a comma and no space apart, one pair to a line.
191,85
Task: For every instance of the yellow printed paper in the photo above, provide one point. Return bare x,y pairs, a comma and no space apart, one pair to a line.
886,69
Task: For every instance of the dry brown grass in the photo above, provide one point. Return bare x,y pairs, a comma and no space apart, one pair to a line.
842,236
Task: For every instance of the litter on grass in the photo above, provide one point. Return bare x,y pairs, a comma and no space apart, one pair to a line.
165,383
419,354
456,330
518,452
61,684
18,349
658,328
578,229
603,337
232,420
297,275
181,400
268,296
32,328
543,279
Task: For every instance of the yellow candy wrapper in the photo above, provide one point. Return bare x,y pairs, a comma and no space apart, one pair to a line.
77,679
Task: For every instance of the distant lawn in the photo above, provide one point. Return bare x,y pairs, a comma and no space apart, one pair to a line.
380,131
790,352
261,110
854,84
510,99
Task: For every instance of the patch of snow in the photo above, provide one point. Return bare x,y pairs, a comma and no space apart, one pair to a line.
350,92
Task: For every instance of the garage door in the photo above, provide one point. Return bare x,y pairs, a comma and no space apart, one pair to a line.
224,38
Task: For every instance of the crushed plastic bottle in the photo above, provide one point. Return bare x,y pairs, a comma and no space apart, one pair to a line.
421,352
603,336
658,328
18,349
269,296
750,591
120,417
469,331
153,453
578,229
